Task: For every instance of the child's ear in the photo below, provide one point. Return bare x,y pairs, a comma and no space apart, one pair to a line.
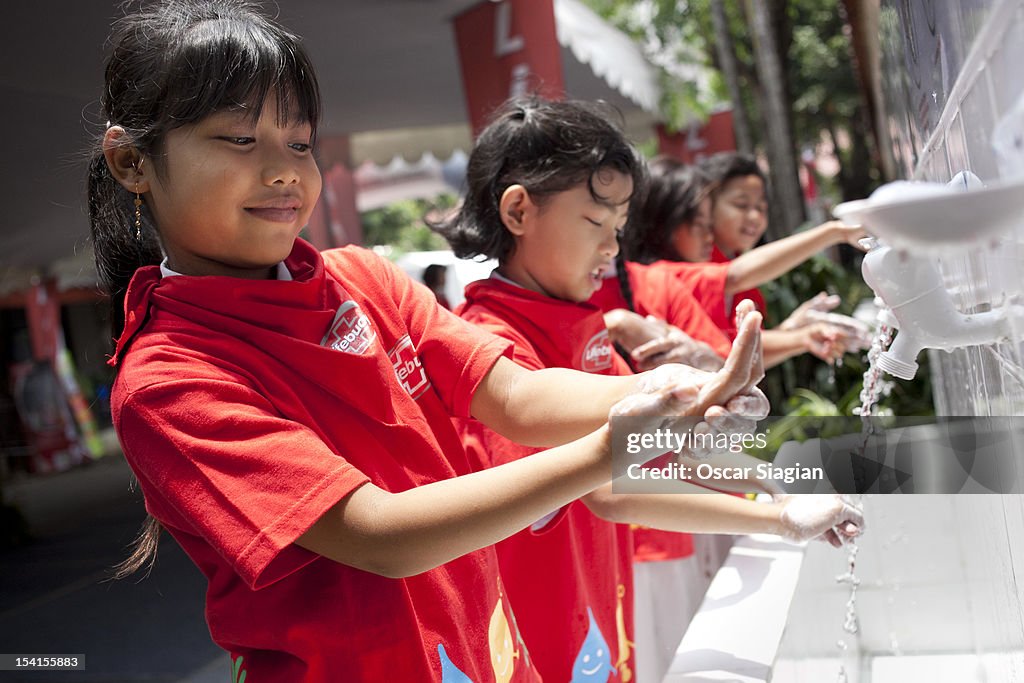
514,207
124,160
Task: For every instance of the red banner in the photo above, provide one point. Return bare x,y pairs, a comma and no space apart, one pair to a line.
42,309
507,48
335,219
699,142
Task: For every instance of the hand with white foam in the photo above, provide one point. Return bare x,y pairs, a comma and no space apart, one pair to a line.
858,335
726,401
652,342
822,302
830,518
829,342
675,346
818,309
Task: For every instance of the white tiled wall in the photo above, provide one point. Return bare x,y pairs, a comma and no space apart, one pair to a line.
940,572
956,68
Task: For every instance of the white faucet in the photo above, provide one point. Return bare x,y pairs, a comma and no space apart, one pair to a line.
918,305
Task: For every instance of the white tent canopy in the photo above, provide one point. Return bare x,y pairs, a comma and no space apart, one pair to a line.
599,62
388,70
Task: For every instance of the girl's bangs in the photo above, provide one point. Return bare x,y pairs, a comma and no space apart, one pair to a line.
231,65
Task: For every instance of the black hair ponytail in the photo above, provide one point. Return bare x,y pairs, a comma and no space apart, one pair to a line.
627,293
623,277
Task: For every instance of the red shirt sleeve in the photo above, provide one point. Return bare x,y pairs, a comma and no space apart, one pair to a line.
215,454
667,296
457,354
706,281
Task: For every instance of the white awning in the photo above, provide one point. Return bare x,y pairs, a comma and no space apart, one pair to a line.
389,75
599,62
609,52
411,144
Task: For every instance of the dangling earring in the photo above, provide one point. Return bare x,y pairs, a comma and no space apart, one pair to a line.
138,214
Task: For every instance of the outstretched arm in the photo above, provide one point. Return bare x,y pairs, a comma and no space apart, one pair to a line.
546,407
796,518
405,533
553,406
772,260
824,340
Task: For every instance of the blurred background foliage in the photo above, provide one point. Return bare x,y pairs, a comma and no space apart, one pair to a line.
401,225
810,39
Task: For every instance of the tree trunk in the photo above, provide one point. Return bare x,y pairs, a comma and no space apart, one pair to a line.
727,58
787,197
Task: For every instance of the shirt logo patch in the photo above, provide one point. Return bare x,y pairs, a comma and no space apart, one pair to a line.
408,369
597,354
351,330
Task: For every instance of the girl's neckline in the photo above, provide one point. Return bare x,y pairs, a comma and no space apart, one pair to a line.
282,273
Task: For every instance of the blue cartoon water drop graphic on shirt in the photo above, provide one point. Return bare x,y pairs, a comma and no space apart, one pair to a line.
594,661
449,672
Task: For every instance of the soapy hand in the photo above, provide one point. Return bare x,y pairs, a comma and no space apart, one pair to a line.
829,342
673,345
852,334
858,336
822,302
652,342
831,518
726,401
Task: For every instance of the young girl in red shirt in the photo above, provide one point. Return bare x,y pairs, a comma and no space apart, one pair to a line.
288,413
673,233
550,186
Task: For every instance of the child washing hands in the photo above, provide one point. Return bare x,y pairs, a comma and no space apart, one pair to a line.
288,413
549,188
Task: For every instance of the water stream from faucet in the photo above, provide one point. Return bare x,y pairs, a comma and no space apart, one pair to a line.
850,622
875,386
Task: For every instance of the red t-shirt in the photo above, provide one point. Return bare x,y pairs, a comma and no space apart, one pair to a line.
571,581
655,293
247,408
753,294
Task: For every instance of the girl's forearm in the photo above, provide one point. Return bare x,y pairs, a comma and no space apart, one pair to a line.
704,513
772,260
546,407
781,345
406,533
